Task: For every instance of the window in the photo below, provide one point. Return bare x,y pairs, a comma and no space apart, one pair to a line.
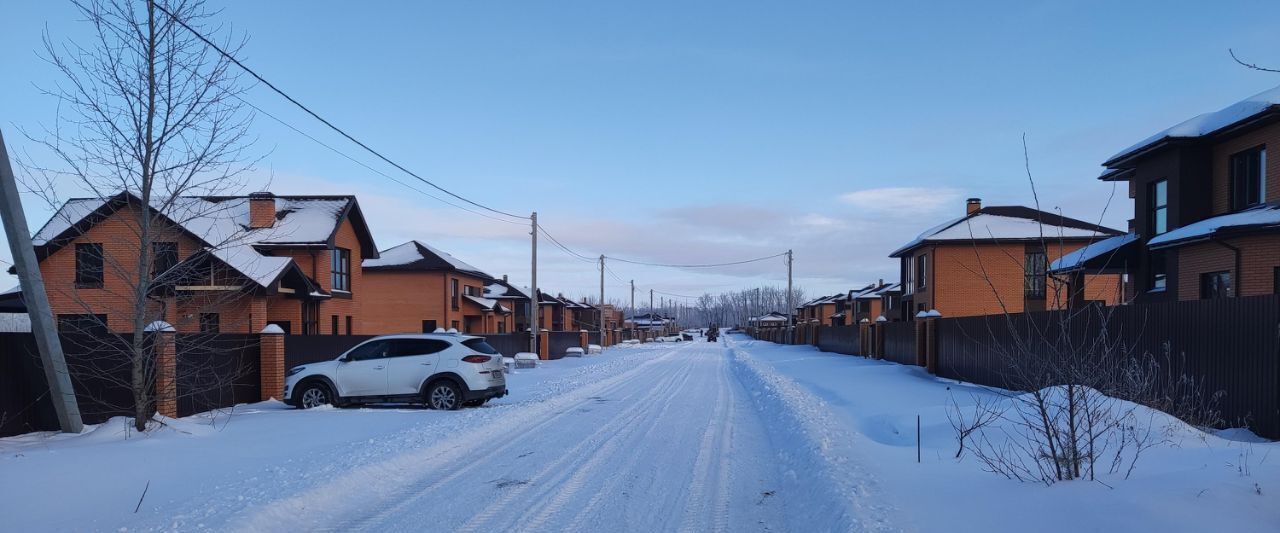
210,323
310,318
89,266
480,345
454,325
408,347
341,269
922,271
1215,284
1248,176
502,326
1159,206
368,350
87,324
333,322
164,256
348,324
908,276
429,326
453,294
1158,276
1033,278
471,291
284,325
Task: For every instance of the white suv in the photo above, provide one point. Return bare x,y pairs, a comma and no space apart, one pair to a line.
444,371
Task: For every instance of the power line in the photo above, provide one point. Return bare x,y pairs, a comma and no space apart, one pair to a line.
315,115
707,265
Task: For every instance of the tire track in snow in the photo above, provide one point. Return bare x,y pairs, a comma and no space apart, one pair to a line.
589,470
556,473
391,480
695,505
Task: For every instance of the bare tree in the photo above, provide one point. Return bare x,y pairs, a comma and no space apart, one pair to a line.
150,117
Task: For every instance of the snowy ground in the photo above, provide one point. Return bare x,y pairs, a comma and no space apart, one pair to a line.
733,436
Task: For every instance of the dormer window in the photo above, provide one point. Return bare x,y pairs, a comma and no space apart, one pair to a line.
1248,178
340,268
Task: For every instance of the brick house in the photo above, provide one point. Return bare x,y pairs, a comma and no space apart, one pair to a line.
553,314
818,310
869,303
514,298
229,264
1206,220
995,259
420,288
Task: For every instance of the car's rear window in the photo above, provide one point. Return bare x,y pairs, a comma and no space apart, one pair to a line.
480,345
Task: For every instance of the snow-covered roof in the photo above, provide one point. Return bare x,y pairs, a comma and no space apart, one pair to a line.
874,291
1091,251
1208,123
999,223
486,303
417,255
1260,217
221,223
503,290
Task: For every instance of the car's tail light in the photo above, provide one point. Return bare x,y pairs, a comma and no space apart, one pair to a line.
476,359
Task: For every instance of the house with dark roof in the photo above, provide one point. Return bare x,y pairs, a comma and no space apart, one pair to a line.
871,302
514,298
420,288
219,263
995,259
1206,217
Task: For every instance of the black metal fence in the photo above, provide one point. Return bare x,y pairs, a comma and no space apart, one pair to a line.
508,344
593,337
899,342
559,341
216,371
839,339
303,349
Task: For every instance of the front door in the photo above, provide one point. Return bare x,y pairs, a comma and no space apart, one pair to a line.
411,362
364,373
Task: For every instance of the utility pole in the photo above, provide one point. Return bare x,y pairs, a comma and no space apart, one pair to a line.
650,304
602,300
633,306
791,306
33,294
534,332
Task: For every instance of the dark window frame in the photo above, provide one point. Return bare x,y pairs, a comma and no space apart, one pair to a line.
90,265
210,323
1157,209
1217,284
1158,277
429,326
340,269
164,256
1035,271
333,324
1247,177
348,324
454,298
922,272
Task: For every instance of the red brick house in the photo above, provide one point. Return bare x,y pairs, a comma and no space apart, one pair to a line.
420,288
220,263
1206,223
995,259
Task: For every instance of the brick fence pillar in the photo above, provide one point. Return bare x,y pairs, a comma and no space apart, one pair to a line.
544,345
166,371
864,338
877,338
271,362
931,342
584,339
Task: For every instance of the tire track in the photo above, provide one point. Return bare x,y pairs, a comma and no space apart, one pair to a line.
695,504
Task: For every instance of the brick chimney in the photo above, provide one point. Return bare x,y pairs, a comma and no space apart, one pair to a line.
262,210
972,205
504,277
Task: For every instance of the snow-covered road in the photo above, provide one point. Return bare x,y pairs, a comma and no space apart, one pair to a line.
673,444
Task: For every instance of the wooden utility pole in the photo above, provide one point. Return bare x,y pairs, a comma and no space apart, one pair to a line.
633,306
37,301
602,300
791,306
534,332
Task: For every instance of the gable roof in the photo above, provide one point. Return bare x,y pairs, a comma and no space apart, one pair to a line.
1204,125
1007,223
420,256
500,289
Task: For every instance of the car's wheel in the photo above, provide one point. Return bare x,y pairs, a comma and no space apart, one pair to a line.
314,394
444,395
475,403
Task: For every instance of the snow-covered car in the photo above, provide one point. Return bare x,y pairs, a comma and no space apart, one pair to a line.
441,370
573,352
593,349
526,360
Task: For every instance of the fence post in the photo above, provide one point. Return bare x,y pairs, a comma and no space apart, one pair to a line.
877,337
583,340
864,337
544,345
931,341
271,361
166,369
922,359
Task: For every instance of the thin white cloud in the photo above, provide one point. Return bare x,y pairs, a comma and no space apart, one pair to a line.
903,199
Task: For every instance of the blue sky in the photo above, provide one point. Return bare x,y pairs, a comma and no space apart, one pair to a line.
708,131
